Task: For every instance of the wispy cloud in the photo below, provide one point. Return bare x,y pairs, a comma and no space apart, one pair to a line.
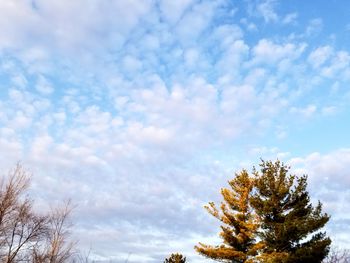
264,9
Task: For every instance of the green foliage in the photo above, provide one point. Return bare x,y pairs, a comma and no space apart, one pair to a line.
268,217
175,258
289,222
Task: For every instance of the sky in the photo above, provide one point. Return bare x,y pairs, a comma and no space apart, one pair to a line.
140,111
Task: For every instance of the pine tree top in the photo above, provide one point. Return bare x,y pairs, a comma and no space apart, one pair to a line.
267,216
175,258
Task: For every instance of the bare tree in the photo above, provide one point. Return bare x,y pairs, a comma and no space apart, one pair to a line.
11,188
57,247
82,257
26,236
20,227
337,255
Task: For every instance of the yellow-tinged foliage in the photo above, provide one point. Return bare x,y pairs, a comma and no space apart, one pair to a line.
274,257
240,223
268,218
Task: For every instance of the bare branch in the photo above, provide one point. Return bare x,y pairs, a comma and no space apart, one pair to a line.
337,255
26,236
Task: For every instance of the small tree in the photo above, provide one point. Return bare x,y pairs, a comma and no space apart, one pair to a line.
240,223
289,222
175,258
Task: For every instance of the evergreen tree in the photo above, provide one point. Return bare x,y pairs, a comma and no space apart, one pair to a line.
175,258
289,223
240,224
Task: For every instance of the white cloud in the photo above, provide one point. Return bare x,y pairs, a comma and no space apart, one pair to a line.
329,110
44,86
314,27
249,25
131,64
281,133
252,27
151,42
20,121
23,26
267,153
269,52
226,35
16,17
191,57
305,112
339,63
19,81
11,148
264,9
290,18
231,60
267,11
329,182
60,117
320,55
327,171
173,10
194,22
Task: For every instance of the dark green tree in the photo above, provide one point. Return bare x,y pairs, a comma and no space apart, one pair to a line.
175,258
290,224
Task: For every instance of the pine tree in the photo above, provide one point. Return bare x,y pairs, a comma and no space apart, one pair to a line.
175,258
240,224
290,223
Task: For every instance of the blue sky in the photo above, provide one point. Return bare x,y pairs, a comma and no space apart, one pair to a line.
141,110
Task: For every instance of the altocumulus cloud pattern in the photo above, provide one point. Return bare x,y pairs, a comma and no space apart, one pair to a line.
140,110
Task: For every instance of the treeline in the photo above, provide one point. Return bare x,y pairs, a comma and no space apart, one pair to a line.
266,216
